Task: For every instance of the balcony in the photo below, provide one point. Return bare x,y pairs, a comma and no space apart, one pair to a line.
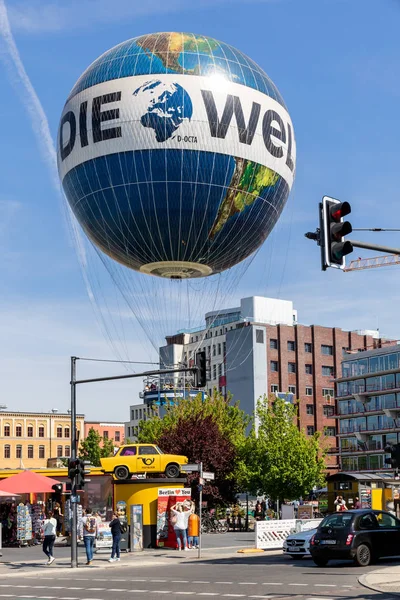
369,390
368,429
364,410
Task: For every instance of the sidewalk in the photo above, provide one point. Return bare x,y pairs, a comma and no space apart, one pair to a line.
386,581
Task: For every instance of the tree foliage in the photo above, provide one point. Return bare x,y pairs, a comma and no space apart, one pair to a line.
283,462
95,447
212,431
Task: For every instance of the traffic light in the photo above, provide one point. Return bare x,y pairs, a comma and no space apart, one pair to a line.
83,470
73,467
201,371
58,488
394,460
333,229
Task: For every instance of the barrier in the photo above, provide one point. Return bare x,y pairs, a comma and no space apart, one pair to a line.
270,535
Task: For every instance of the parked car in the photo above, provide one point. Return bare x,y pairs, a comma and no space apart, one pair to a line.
142,458
359,535
297,545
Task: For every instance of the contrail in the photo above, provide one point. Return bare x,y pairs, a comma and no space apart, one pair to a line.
29,98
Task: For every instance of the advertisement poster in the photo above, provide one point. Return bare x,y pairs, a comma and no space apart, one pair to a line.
305,511
167,498
136,527
104,537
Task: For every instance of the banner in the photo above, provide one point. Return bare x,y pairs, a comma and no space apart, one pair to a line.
104,536
167,498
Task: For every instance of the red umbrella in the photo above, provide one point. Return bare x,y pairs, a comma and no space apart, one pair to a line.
27,482
7,494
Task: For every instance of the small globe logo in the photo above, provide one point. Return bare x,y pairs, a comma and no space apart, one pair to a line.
168,104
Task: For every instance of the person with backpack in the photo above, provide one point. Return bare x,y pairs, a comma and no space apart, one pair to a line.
117,529
88,527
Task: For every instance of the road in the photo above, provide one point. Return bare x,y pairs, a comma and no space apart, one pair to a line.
182,575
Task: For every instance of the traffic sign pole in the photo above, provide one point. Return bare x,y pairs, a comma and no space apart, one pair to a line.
200,505
74,506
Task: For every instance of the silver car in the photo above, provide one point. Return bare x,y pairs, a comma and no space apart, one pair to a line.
297,545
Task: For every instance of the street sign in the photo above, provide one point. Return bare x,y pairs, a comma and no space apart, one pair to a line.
75,499
190,468
208,475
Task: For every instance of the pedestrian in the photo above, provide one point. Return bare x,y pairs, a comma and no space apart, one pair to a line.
116,531
258,513
357,503
49,530
193,527
88,530
179,522
58,515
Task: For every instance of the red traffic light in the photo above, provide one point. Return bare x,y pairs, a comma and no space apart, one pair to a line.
339,210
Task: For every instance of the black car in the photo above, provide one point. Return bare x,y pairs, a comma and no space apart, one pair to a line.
359,535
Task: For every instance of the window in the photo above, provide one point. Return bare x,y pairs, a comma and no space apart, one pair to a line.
137,414
292,389
6,431
307,347
197,338
30,431
30,451
224,345
18,452
291,346
214,371
274,388
67,451
219,370
385,520
327,371
59,451
41,452
330,431
219,349
328,392
66,432
129,432
310,429
117,436
7,451
329,411
209,350
273,344
128,451
145,450
310,409
41,431
274,366
368,522
214,350
18,431
259,336
308,369
105,433
327,350
59,432
292,367
309,391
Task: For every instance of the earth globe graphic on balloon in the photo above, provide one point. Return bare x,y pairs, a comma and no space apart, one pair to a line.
177,154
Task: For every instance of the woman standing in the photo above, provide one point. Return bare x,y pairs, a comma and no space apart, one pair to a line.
179,521
58,515
259,513
49,530
116,531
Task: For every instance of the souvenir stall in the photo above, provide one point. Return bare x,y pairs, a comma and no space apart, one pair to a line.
8,518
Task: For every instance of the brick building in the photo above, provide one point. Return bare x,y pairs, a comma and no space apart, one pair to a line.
108,430
259,348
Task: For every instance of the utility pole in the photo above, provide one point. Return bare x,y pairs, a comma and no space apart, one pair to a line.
200,504
74,505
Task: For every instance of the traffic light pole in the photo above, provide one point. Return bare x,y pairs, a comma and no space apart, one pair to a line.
74,505
376,247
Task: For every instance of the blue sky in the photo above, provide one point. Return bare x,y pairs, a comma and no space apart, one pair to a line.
335,63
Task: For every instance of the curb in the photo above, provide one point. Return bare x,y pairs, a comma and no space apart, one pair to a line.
362,580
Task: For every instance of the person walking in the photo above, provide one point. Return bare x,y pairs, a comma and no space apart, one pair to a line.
58,515
179,522
49,530
116,531
88,530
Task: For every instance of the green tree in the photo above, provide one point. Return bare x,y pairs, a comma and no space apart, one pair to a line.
283,462
213,431
94,447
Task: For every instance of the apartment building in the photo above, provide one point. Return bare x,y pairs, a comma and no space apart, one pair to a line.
28,440
108,430
259,348
368,408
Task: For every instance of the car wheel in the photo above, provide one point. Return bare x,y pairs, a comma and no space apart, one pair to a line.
121,473
363,555
320,562
172,470
296,556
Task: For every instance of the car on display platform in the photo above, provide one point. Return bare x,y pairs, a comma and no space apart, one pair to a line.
142,458
297,545
360,535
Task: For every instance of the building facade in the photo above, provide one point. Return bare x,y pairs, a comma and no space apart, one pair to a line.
368,408
29,440
108,430
259,349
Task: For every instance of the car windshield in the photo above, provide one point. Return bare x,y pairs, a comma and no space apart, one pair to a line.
159,450
337,521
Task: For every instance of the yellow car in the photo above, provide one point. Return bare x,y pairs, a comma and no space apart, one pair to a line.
142,458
